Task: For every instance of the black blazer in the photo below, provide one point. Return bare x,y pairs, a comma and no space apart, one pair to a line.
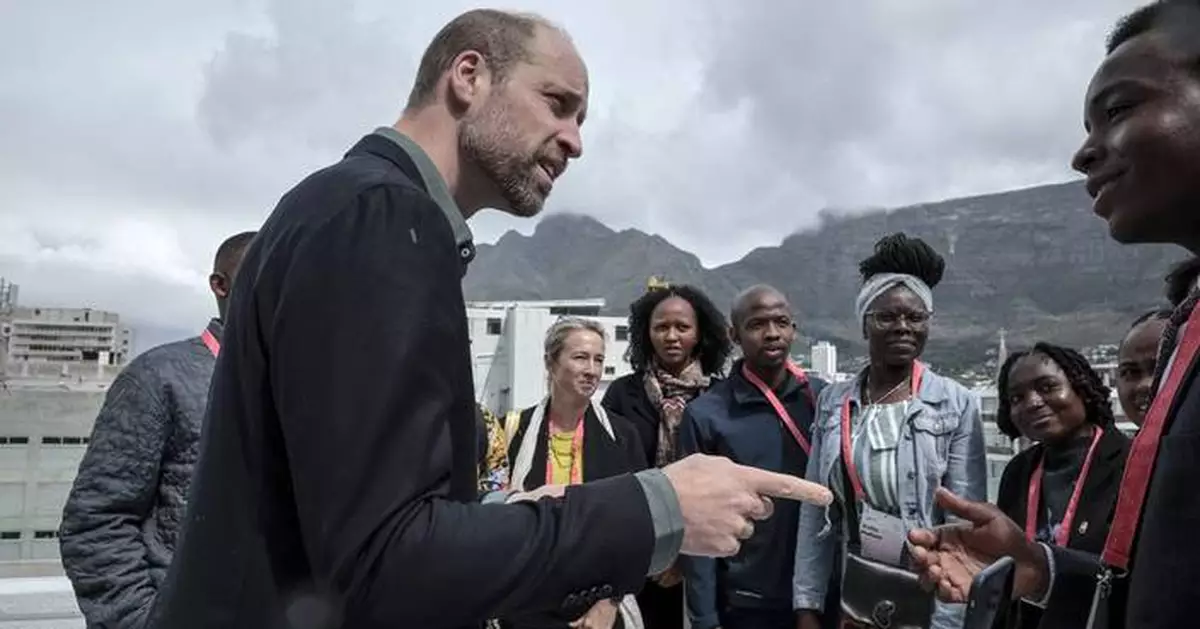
1160,591
338,475
602,455
1096,505
626,396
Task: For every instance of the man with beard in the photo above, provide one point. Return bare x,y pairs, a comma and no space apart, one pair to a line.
1142,161
338,481
760,416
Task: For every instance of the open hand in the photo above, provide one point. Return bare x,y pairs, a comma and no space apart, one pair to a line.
948,557
602,615
720,501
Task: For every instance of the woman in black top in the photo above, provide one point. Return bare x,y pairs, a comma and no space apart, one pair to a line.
678,345
1063,489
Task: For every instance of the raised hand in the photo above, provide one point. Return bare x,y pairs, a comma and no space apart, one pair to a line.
948,557
720,501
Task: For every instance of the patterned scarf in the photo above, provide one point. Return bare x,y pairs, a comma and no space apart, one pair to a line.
670,394
1170,337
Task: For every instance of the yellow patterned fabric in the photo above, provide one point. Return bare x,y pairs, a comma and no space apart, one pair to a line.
493,473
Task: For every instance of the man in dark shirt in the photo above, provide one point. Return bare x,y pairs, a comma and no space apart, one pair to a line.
122,517
737,418
1142,161
338,483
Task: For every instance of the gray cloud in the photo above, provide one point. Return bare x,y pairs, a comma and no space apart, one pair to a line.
137,135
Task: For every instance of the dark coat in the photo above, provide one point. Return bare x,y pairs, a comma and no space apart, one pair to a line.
1160,590
122,517
735,420
662,608
339,476
603,457
1096,504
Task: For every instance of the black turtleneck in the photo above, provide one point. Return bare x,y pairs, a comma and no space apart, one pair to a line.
1062,464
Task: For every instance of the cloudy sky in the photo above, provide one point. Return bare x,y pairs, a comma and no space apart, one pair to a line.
135,135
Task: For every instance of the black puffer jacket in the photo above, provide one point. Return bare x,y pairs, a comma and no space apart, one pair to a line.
121,520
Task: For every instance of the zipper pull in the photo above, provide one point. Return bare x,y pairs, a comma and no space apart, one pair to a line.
1100,598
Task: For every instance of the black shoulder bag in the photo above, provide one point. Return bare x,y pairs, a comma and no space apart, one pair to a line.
875,593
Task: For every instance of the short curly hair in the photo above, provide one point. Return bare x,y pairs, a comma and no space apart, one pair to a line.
713,344
1084,380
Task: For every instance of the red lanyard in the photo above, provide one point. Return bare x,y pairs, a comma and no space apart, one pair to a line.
1035,496
1135,481
784,416
918,370
211,342
576,474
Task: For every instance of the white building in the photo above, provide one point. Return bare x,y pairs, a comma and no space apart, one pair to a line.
65,344
824,359
507,348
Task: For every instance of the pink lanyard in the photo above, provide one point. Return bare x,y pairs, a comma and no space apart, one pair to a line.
918,370
1035,496
211,342
1135,480
784,416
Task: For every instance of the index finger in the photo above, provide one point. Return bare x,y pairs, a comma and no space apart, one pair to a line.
775,485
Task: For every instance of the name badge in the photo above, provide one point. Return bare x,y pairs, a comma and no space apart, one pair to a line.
883,536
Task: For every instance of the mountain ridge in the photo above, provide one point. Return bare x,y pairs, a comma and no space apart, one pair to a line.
1033,261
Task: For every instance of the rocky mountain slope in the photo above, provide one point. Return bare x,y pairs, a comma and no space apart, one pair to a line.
1035,262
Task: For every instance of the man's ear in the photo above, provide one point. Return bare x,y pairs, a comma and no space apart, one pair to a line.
469,80
219,284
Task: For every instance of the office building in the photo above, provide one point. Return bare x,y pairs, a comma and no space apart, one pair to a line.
507,350
824,360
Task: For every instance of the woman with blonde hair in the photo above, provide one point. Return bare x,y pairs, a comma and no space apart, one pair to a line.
567,439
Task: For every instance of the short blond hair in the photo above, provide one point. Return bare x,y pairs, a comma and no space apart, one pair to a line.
556,336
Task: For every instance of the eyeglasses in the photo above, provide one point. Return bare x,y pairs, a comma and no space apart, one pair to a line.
886,319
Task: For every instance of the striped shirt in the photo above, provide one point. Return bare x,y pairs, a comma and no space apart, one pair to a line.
875,437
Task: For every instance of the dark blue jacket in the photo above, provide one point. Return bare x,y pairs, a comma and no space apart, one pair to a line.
733,419
121,520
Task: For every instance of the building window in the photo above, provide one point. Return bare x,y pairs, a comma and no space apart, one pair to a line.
13,441
10,535
54,441
45,534
610,370
493,327
622,333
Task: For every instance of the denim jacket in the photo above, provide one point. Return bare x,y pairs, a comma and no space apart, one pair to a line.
941,444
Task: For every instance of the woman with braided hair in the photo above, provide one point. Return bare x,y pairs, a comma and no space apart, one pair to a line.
883,442
1063,489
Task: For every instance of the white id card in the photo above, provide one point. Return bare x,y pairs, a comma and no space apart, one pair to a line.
883,536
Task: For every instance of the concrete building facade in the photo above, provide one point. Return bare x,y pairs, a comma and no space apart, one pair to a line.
507,348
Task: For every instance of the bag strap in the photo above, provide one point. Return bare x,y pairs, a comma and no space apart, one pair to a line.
850,504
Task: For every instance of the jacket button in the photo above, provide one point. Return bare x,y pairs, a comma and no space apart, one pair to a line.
572,601
911,475
606,591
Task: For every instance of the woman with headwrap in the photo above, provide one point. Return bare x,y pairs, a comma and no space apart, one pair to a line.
883,443
678,345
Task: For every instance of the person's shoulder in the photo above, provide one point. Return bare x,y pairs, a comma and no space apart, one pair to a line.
718,394
152,365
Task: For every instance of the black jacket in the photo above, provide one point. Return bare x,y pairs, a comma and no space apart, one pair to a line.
1160,590
1096,504
733,419
603,457
122,517
339,477
662,608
